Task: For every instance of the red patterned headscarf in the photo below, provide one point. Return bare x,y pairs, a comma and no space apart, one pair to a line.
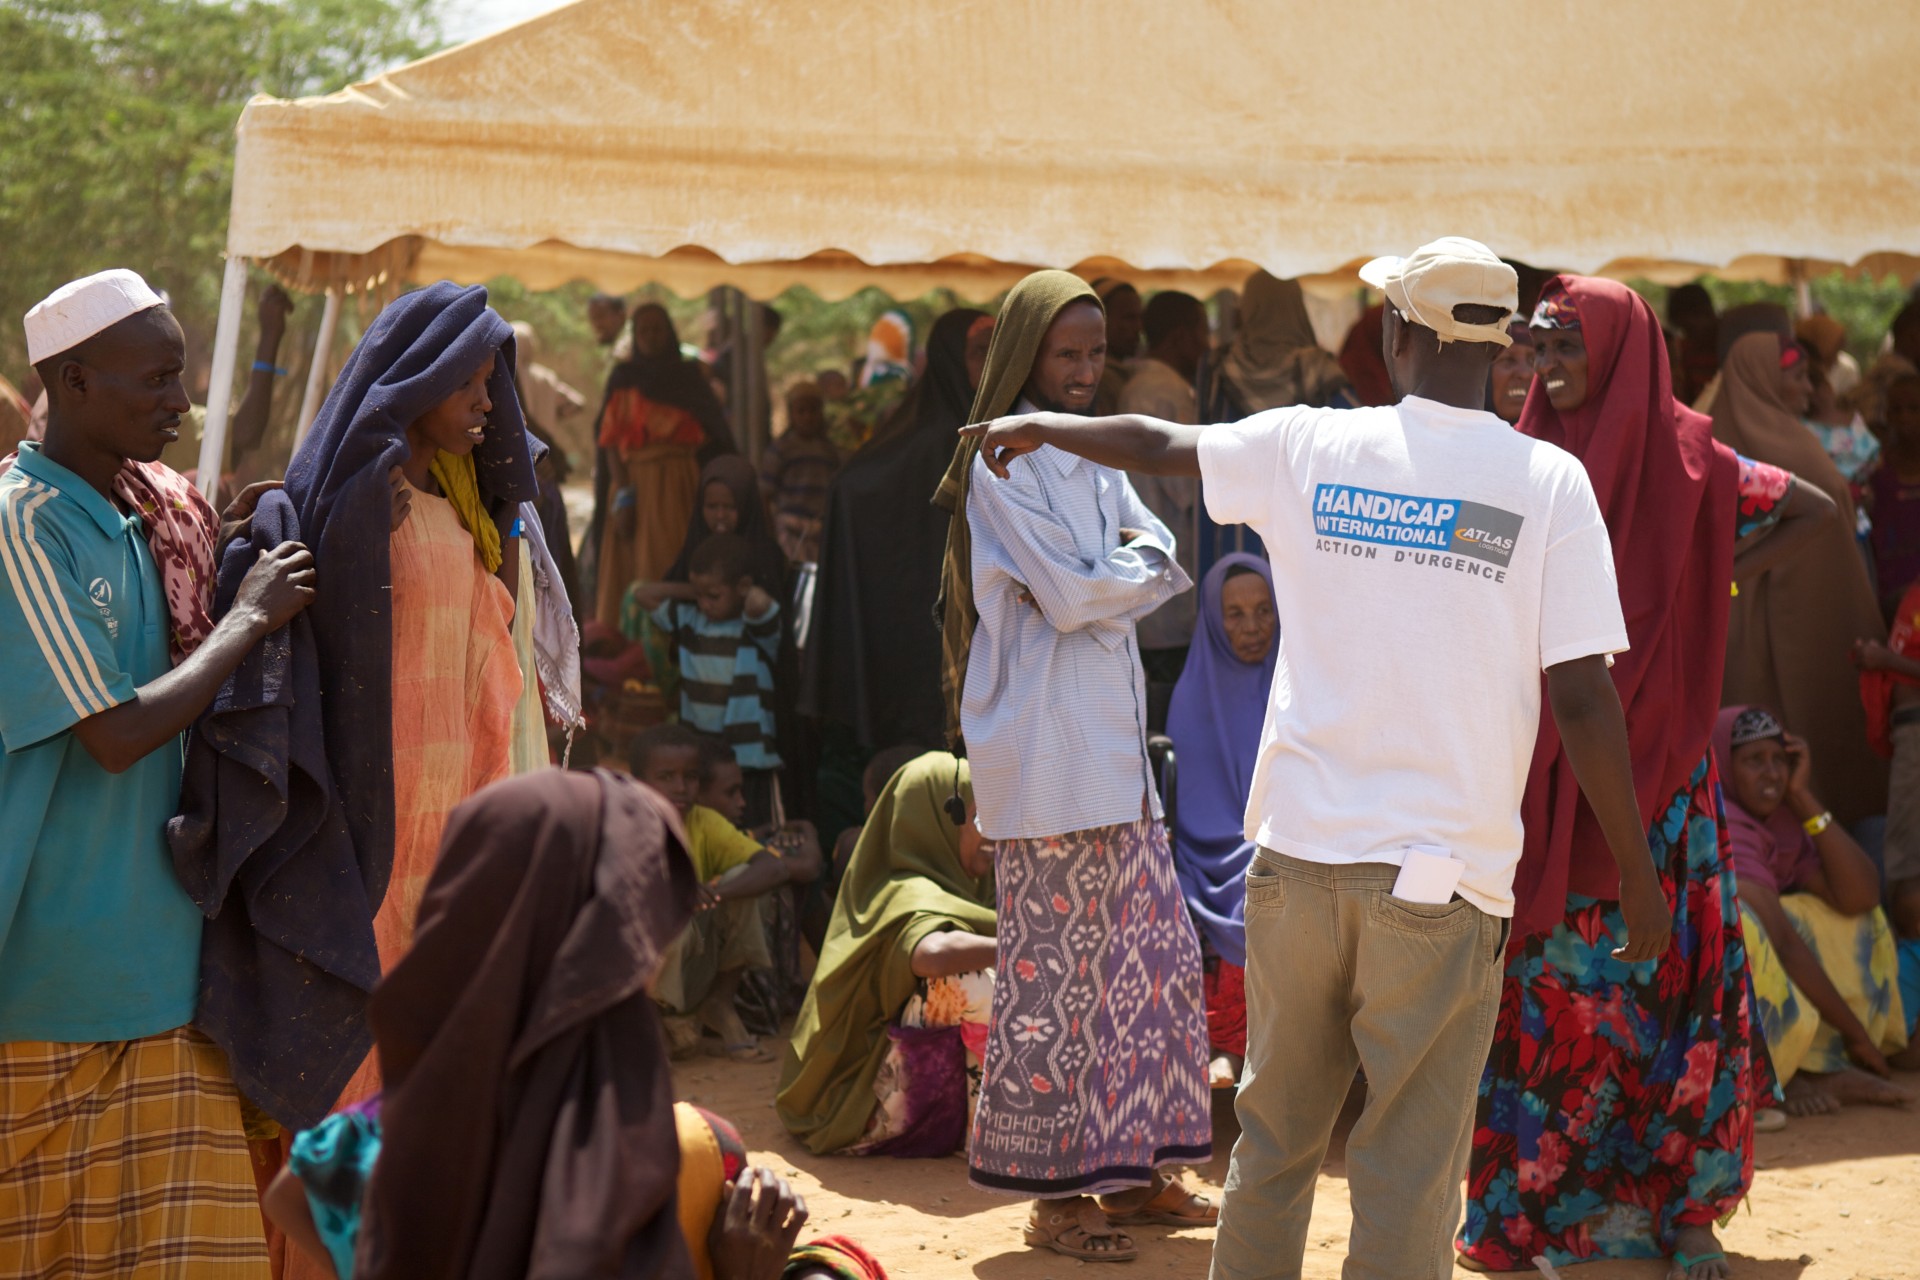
1667,491
181,531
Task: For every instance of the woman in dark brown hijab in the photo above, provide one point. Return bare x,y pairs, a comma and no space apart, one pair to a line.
528,1104
527,1122
1790,633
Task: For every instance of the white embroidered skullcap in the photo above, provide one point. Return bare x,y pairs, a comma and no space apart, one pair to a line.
76,311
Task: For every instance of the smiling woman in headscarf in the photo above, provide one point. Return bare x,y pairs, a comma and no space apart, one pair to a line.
1791,631
659,421
916,891
1671,1063
1047,571
1029,310
1215,719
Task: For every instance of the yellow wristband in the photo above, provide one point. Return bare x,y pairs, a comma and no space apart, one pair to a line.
1817,823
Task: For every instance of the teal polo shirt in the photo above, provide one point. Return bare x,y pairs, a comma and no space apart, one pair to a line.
97,939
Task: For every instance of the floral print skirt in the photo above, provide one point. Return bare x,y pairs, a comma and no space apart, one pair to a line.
1096,1063
1617,1105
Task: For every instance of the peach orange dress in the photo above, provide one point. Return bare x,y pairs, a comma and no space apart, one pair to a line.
455,683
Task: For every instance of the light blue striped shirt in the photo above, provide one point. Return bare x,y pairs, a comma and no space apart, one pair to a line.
1055,707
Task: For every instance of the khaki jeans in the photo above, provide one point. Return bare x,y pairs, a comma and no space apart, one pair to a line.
1341,974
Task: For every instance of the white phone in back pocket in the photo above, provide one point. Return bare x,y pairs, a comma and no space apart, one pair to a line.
1428,875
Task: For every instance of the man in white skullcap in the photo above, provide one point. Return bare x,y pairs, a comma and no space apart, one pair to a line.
1429,563
124,1151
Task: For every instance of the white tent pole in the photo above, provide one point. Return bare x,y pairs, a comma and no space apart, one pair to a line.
317,374
737,374
226,348
756,380
1802,286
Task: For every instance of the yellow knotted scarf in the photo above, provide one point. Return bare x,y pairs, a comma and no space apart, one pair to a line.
1025,317
461,486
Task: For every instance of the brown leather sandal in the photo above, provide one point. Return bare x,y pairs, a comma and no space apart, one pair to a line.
1071,1233
1173,1205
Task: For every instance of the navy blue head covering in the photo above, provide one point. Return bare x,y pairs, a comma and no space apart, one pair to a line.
285,836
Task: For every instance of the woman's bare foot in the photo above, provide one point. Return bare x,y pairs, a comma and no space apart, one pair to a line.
1856,1088
1806,1098
1697,1256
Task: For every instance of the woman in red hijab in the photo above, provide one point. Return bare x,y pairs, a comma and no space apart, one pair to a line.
1616,1114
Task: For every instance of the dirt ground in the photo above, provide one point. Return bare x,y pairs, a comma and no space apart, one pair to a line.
1836,1198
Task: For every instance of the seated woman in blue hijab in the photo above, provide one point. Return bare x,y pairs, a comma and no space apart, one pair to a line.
1218,708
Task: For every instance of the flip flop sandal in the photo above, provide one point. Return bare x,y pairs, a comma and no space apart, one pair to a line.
1071,1234
1172,1206
1686,1262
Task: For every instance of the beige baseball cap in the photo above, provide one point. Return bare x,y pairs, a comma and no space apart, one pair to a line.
1453,271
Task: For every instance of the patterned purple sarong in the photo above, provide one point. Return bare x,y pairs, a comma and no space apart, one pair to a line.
1095,1072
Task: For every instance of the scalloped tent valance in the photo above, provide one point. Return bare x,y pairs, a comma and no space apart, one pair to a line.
696,142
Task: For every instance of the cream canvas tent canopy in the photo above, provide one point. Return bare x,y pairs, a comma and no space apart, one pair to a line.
695,142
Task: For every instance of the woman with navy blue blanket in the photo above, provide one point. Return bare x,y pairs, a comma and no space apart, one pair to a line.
317,783
1215,720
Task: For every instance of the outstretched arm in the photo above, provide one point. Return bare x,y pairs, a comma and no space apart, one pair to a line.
1586,710
1128,441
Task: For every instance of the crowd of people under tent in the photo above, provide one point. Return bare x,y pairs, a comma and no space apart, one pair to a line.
381,835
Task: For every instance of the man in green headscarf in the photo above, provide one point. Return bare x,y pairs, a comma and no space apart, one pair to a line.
1095,1070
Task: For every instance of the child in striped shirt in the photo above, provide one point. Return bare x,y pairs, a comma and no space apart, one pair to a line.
726,631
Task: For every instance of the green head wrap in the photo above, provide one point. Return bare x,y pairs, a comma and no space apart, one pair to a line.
903,883
1025,317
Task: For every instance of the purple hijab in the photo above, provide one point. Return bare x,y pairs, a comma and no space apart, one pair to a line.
1219,708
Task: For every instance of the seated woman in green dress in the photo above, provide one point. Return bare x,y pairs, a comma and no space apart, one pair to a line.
885,1055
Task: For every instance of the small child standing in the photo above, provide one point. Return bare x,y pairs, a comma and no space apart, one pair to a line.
796,469
726,631
728,936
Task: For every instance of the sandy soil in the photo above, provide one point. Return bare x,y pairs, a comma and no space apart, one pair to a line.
1836,1198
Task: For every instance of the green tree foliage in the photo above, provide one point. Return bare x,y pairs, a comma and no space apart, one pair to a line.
117,129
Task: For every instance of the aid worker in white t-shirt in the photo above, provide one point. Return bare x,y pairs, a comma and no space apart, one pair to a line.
1429,563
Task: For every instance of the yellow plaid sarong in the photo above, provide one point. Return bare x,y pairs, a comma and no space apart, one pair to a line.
125,1158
